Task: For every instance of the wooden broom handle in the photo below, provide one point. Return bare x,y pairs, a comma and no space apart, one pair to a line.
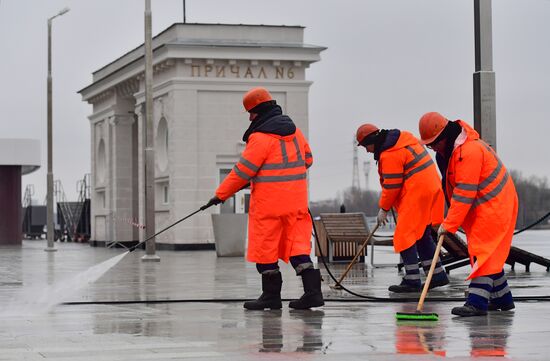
430,274
357,255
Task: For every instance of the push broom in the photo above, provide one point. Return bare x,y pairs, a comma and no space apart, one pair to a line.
419,315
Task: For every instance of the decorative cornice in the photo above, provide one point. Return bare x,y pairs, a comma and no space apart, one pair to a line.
128,88
101,96
158,68
131,87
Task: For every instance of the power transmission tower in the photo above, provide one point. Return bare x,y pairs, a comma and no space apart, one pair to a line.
366,170
355,178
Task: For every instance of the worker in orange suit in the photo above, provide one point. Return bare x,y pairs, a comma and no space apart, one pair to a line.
275,161
411,185
482,200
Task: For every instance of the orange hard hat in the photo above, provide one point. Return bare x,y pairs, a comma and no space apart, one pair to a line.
364,131
430,126
254,97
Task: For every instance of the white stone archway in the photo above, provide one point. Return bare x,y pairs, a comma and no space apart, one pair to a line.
201,72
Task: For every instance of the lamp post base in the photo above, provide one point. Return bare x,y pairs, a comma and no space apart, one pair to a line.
150,258
50,249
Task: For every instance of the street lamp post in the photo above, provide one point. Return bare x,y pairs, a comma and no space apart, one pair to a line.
49,180
484,76
150,246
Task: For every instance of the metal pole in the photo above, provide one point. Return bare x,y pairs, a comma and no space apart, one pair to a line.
184,19
484,76
49,178
150,246
50,223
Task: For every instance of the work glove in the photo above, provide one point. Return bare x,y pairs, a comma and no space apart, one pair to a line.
382,217
214,201
441,231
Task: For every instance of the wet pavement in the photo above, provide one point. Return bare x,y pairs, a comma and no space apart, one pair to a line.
202,317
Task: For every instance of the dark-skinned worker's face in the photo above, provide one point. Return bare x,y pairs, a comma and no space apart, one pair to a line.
252,116
438,147
370,148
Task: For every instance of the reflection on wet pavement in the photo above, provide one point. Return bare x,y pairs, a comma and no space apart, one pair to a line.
419,337
272,331
225,331
488,335
312,336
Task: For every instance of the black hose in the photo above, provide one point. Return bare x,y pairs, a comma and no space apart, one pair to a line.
362,298
340,300
532,224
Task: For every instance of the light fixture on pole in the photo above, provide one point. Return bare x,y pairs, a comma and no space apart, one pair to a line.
49,180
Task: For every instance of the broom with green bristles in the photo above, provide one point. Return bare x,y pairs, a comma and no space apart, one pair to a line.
419,315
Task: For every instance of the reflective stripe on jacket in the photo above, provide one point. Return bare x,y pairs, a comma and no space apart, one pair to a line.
483,201
276,168
411,184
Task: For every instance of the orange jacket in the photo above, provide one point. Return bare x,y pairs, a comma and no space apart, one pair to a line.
483,201
275,166
411,184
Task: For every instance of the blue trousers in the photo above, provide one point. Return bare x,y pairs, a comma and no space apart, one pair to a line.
424,248
491,288
299,263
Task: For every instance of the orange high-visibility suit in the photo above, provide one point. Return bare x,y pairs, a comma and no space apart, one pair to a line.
411,184
279,225
484,202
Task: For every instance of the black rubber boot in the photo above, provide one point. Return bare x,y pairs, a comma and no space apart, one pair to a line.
405,288
312,297
438,283
468,311
271,293
497,307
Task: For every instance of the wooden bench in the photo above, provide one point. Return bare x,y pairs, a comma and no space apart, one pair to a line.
344,234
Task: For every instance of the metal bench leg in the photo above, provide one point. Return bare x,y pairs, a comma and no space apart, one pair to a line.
381,265
372,253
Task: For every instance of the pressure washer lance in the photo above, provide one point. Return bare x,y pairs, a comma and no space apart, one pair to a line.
419,315
207,205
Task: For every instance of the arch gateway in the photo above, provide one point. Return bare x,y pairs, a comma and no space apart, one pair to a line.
201,72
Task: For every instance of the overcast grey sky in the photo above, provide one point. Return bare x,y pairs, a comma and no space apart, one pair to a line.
387,62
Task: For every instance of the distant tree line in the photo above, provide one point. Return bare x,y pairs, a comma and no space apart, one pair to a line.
353,199
534,199
533,193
